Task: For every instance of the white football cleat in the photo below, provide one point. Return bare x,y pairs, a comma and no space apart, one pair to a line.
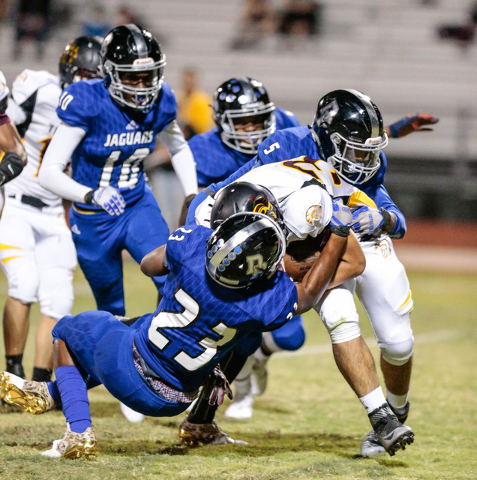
131,415
241,407
74,445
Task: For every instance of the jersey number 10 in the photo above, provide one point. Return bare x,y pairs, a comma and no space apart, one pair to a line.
128,176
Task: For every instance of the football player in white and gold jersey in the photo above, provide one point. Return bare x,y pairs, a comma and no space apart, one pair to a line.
36,250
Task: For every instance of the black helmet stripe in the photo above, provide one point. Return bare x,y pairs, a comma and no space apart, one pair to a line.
237,239
139,40
371,112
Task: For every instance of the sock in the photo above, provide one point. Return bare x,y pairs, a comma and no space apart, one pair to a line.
268,344
41,374
261,356
74,398
373,400
54,392
398,402
14,365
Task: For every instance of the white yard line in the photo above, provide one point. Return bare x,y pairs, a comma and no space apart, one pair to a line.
421,338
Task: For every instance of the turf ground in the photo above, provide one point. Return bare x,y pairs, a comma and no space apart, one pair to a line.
308,424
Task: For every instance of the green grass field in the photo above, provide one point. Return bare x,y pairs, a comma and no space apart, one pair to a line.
308,424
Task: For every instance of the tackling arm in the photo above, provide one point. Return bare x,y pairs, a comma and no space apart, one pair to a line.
155,263
316,281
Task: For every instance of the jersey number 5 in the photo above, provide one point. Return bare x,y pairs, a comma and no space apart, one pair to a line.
189,314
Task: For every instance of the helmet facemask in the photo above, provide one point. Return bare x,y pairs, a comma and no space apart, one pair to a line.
140,99
356,162
235,136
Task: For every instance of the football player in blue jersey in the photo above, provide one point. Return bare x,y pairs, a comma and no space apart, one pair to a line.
224,288
348,132
109,126
245,117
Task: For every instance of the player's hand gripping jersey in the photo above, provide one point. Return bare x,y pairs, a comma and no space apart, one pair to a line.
32,109
117,141
215,160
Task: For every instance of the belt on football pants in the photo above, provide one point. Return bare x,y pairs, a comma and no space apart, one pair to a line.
157,385
29,200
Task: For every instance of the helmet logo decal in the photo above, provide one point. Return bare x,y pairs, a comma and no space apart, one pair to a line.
255,264
314,214
265,209
373,141
70,53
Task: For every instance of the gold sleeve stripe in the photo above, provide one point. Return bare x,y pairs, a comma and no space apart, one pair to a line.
9,247
360,198
407,300
5,260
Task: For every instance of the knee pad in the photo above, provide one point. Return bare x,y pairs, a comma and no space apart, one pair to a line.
22,276
397,347
290,337
339,315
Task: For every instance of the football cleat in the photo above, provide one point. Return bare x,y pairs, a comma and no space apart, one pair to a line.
241,407
74,445
32,397
371,446
131,415
390,432
194,435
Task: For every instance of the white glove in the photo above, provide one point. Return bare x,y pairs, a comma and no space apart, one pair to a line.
109,199
341,219
367,221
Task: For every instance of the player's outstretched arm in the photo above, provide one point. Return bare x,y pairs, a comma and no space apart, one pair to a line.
409,124
154,264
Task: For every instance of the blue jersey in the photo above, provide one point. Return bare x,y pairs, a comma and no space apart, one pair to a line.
198,321
117,140
295,142
215,161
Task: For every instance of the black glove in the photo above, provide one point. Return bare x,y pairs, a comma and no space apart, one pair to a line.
10,167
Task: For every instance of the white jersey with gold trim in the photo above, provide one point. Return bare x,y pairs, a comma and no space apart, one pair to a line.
306,211
33,110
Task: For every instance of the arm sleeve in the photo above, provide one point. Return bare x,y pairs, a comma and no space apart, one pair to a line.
382,199
51,175
181,157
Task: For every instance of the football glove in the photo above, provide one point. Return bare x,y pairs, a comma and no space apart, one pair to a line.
411,123
221,388
367,221
10,167
341,219
108,198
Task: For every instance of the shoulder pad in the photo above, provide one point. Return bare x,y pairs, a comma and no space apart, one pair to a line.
29,81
